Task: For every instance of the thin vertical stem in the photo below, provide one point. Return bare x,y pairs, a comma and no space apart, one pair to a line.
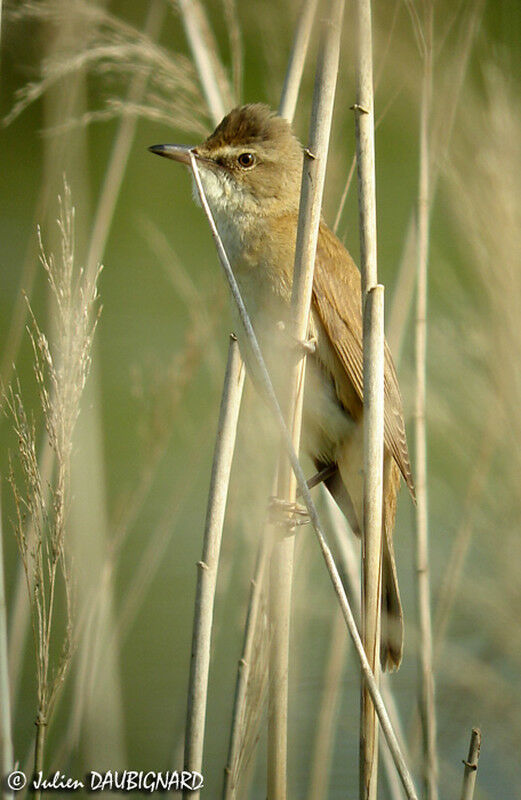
471,766
372,296
199,39
6,740
231,771
281,569
425,655
207,567
293,79
349,565
195,26
39,745
365,157
372,538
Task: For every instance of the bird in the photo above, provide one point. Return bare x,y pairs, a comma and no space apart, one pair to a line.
251,169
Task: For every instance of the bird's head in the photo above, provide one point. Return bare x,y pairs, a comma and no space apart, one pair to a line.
251,163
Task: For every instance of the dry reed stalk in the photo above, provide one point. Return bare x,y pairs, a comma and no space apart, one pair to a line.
471,766
425,655
349,564
207,567
236,748
352,167
267,386
281,566
297,59
204,52
373,340
372,538
6,740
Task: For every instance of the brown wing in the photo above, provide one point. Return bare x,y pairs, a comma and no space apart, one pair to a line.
336,299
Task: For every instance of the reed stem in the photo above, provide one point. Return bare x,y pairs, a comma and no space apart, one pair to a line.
373,341
297,59
231,771
207,567
425,654
281,569
6,740
471,766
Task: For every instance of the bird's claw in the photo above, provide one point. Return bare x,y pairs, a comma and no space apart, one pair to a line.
286,514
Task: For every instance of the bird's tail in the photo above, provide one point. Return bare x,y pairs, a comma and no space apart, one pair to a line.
346,486
391,639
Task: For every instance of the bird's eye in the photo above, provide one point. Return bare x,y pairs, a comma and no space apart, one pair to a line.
246,160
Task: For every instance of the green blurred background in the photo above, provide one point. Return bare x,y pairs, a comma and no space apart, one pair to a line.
144,441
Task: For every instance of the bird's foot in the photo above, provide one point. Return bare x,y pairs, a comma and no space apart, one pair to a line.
288,515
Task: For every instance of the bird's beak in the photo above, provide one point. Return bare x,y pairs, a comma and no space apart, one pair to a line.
177,152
